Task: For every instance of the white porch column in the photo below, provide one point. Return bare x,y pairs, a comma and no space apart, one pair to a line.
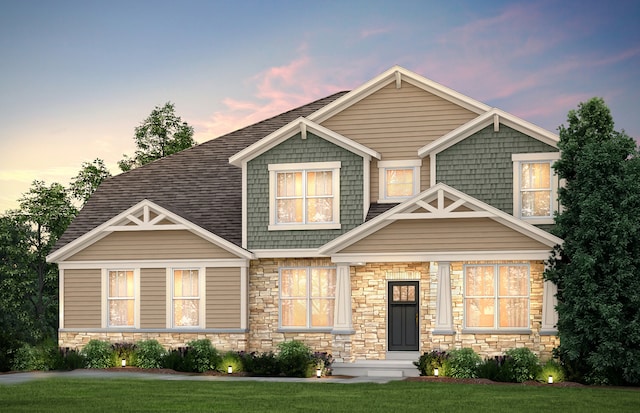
549,313
444,310
342,320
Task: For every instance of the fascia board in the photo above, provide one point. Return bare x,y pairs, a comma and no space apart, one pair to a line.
102,230
444,92
266,143
341,140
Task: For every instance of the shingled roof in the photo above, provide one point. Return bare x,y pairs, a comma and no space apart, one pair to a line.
198,183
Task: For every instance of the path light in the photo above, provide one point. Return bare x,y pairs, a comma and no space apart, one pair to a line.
318,373
124,363
229,369
436,372
550,379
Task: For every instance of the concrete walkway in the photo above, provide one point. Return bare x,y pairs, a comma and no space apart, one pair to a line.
17,378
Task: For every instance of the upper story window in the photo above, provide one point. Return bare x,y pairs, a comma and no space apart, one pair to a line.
304,196
535,187
399,180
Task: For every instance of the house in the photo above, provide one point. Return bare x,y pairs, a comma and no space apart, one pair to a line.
374,224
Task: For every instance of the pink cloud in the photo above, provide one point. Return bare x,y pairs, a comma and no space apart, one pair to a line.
277,89
366,33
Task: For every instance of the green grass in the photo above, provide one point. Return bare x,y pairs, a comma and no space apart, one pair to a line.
131,395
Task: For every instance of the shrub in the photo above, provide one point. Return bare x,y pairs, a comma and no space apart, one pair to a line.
490,368
296,359
233,359
149,354
98,354
520,365
462,363
28,357
263,365
553,369
175,359
124,351
428,361
201,356
70,359
323,361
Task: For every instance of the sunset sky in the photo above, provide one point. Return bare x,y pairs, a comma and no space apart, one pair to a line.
78,76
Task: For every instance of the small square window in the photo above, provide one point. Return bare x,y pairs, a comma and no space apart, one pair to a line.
535,187
399,180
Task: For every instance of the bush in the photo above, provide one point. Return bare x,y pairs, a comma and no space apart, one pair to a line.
175,360
149,354
201,356
98,355
124,351
70,359
262,365
491,368
28,357
428,361
233,359
520,365
296,359
462,364
323,361
553,369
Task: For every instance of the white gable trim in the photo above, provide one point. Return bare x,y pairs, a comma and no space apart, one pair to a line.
303,126
439,192
493,117
396,74
129,220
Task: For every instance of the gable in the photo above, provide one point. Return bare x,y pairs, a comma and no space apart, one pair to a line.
396,122
147,231
151,245
442,219
444,235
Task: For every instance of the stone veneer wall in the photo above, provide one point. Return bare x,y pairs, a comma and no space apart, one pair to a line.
170,340
264,307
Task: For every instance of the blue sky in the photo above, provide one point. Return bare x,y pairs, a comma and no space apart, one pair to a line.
78,76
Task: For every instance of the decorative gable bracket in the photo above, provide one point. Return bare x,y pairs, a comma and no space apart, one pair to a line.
146,218
437,209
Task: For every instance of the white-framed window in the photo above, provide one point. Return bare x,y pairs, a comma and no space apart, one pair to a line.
304,196
121,298
187,286
535,187
307,297
398,180
496,296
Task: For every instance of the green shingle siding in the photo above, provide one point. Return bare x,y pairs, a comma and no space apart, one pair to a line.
481,165
297,150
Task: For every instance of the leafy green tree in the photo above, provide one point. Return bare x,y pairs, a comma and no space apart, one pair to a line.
88,179
597,268
162,133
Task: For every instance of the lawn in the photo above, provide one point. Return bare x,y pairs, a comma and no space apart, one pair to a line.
125,395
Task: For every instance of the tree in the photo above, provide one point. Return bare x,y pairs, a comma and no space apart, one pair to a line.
27,236
161,134
88,179
597,268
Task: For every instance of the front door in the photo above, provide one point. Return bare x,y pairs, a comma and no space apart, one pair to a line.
403,315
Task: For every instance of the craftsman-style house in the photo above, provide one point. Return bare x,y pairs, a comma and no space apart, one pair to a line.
375,224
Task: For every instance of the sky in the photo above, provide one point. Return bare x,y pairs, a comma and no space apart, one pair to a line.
77,77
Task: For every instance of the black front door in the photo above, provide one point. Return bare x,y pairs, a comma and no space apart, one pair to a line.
403,315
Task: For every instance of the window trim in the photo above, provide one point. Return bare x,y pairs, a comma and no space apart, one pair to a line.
274,169
308,326
414,164
540,157
496,316
202,297
106,299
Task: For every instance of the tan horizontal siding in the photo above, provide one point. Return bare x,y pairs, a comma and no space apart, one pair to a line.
397,122
140,245
153,298
434,235
82,299
223,297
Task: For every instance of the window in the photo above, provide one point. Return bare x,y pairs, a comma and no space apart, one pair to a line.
399,180
186,299
535,187
307,296
304,196
121,298
496,296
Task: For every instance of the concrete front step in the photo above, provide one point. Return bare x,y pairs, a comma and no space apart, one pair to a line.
376,368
